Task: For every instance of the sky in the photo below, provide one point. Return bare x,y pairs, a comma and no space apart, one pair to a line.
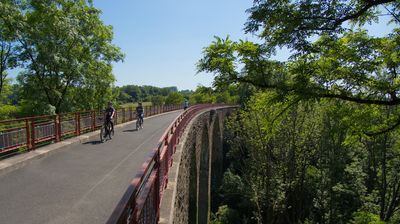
163,40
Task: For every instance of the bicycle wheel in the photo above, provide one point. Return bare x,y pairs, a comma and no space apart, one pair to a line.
109,131
102,134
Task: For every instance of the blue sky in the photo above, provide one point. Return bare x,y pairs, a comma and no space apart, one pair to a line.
163,40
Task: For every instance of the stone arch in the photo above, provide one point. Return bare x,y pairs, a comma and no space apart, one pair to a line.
204,184
193,183
216,166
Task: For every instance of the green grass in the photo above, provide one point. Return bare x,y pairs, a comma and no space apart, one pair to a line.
127,105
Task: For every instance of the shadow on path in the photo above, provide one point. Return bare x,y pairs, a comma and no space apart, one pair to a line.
131,130
93,142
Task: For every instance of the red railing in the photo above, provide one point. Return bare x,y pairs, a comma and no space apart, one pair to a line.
140,203
26,134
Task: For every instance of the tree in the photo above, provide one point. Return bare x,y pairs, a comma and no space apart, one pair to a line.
174,98
293,23
66,46
10,18
202,94
123,97
342,63
307,161
318,142
157,100
225,215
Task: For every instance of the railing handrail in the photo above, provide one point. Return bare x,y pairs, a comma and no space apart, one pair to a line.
30,130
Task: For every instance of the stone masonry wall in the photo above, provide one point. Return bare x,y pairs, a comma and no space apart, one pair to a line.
196,166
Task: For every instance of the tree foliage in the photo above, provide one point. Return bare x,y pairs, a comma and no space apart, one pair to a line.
305,162
157,100
63,49
318,140
174,98
135,93
10,18
328,59
202,94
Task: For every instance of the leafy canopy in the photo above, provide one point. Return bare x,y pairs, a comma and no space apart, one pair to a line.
65,46
331,56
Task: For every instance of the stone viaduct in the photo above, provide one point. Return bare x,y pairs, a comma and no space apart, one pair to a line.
197,165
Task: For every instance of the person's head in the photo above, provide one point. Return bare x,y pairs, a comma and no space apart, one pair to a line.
140,104
109,104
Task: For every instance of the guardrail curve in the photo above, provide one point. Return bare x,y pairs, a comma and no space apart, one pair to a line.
140,202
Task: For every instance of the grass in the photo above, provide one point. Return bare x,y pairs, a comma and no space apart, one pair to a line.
127,105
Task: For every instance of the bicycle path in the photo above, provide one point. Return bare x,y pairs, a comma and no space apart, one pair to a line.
82,183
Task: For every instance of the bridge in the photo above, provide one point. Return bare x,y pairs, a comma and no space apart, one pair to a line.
124,180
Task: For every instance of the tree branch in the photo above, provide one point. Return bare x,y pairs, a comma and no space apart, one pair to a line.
359,100
338,21
392,13
369,5
383,131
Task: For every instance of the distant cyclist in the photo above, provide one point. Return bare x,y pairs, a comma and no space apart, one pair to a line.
185,105
110,112
140,112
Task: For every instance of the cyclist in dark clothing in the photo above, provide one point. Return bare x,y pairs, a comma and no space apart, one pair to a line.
140,112
185,105
110,112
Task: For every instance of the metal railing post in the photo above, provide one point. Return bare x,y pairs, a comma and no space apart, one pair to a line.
33,133
57,127
77,124
28,136
157,185
93,120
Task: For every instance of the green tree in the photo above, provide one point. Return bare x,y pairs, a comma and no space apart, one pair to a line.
157,100
66,46
318,142
124,97
174,98
226,215
9,21
202,94
328,60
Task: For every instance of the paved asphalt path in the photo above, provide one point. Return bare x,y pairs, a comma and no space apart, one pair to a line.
82,183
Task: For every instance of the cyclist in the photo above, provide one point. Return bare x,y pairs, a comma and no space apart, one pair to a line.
110,112
185,105
140,112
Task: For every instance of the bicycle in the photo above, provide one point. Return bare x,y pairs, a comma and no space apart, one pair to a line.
139,122
106,130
